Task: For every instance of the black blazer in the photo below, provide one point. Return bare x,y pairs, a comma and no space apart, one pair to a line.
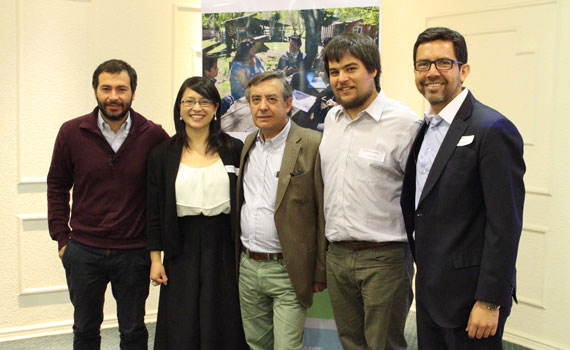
469,217
161,218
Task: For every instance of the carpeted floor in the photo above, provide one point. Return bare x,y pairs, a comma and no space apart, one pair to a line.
110,340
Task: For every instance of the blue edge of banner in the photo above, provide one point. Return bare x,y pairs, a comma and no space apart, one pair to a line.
321,339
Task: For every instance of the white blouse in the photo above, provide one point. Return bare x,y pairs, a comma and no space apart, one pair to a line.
203,191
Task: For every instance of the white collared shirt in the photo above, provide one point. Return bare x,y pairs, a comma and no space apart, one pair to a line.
260,178
363,162
115,140
435,133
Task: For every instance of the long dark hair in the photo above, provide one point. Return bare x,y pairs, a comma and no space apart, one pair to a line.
217,139
242,53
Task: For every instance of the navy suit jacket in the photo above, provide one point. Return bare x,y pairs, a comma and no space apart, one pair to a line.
469,217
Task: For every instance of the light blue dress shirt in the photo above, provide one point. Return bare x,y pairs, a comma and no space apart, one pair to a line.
115,140
437,129
260,180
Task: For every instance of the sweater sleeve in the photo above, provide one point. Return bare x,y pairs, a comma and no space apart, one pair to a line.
59,183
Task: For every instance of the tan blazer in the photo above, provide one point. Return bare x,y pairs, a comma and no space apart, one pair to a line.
298,210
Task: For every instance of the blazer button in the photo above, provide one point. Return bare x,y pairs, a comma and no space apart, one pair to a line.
419,215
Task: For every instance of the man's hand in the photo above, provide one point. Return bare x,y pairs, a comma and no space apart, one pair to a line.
61,252
482,321
319,287
291,70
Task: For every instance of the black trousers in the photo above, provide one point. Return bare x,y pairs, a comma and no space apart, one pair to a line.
88,271
433,337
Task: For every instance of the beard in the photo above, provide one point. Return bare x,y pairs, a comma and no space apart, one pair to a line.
450,90
114,116
357,101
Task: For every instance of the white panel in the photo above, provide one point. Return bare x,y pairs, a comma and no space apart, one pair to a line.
512,54
54,81
512,70
40,269
187,43
530,267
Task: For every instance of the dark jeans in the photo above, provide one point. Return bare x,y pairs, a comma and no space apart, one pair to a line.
88,271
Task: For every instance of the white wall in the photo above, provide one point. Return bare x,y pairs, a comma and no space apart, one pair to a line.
49,49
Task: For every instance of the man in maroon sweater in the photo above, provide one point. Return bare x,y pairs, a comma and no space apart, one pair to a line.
102,155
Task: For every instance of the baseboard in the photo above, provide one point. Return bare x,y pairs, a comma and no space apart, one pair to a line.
55,328
530,341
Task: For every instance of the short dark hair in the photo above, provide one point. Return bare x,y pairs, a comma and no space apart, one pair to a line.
286,88
360,46
114,66
296,39
446,34
217,139
207,63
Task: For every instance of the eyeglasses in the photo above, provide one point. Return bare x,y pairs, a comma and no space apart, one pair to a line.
440,64
189,103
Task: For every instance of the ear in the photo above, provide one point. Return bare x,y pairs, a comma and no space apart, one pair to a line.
464,72
374,73
289,104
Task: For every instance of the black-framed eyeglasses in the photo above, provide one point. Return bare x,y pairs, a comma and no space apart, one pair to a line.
190,102
440,64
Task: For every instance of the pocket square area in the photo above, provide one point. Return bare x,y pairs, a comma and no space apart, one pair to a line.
465,140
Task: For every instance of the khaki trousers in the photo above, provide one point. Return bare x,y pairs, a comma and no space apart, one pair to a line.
272,316
371,294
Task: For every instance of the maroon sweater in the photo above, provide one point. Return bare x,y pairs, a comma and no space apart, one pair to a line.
109,188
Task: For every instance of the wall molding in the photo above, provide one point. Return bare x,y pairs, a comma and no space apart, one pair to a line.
535,229
538,191
537,304
61,327
499,7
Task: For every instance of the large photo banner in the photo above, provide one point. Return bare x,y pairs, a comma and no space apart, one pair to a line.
242,38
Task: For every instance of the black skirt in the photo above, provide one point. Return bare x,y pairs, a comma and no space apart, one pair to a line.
199,308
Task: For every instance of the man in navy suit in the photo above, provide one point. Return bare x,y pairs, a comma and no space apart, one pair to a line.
462,201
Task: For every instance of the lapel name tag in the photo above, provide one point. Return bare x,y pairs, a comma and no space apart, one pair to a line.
371,154
465,140
232,169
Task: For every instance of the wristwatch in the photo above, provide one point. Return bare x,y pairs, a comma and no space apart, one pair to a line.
492,306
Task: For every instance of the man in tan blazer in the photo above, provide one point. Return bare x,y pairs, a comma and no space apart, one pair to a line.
280,242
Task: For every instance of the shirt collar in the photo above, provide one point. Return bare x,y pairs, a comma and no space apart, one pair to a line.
374,110
277,140
104,125
448,112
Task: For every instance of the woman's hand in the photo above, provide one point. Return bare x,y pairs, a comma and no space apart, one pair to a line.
157,272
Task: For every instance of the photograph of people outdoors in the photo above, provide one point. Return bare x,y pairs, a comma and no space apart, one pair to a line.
240,45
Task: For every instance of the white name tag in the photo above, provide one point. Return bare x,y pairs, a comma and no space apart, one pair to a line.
232,169
465,140
371,154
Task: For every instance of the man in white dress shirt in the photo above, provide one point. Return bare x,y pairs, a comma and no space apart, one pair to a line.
280,243
363,153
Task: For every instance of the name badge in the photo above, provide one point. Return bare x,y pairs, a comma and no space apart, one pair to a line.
232,169
371,154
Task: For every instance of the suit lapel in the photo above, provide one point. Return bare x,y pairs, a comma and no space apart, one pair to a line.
292,148
456,130
249,141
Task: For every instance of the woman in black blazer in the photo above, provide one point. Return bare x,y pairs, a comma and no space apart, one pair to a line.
190,215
